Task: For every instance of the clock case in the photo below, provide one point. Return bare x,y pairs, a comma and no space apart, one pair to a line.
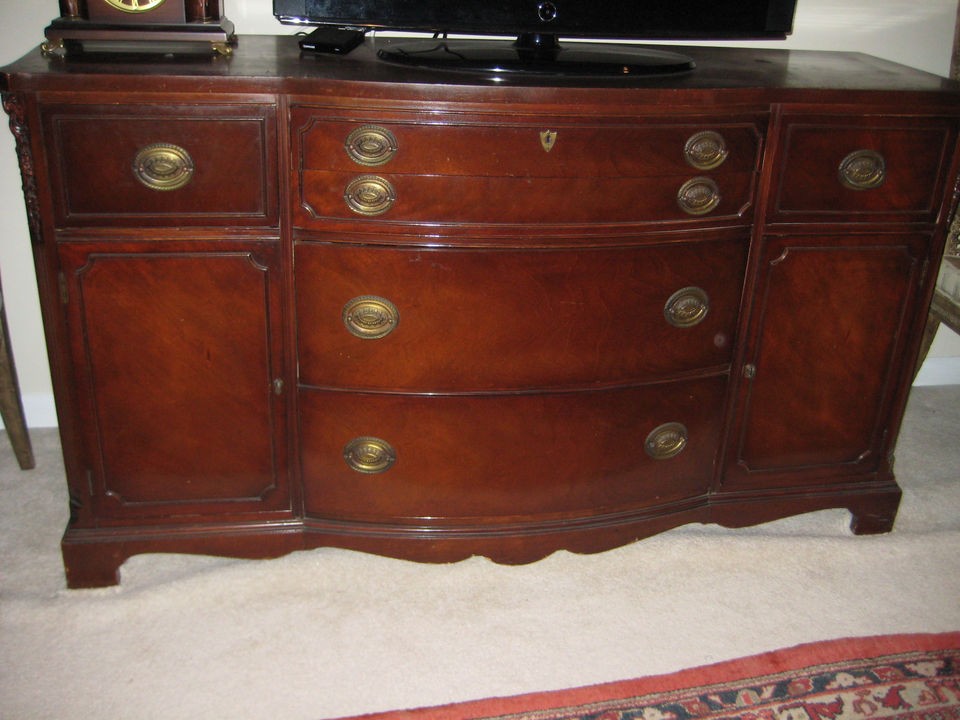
172,26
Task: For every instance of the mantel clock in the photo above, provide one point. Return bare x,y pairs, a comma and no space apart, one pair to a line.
141,25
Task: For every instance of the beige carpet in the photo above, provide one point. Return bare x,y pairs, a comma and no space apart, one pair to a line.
329,632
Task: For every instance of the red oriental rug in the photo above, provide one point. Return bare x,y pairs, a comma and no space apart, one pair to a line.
897,677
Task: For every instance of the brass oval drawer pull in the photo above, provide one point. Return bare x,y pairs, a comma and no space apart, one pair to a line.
687,307
666,441
698,196
370,195
706,150
371,145
162,166
369,455
863,170
370,317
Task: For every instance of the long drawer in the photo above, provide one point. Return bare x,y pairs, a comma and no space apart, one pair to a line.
545,147
468,200
431,459
428,320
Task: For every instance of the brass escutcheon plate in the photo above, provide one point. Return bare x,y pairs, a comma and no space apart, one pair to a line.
163,166
666,441
687,307
698,196
370,195
369,455
370,317
548,138
705,150
863,170
371,145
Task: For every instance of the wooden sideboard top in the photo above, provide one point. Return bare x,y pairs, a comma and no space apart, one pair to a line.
274,64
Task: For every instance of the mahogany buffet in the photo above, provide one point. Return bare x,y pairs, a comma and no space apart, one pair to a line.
294,302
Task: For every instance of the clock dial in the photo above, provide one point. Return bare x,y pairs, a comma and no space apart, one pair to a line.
135,6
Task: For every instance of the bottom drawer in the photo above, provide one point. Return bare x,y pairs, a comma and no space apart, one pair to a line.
381,457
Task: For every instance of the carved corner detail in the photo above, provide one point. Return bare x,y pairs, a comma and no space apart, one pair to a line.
14,106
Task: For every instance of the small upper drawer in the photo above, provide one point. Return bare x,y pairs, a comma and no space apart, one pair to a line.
162,165
882,169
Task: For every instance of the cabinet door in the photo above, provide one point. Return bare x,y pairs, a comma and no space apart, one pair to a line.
177,356
825,349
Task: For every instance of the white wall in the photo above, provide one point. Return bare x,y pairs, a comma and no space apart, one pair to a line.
907,31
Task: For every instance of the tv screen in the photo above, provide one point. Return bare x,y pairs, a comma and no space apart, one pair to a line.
637,19
538,25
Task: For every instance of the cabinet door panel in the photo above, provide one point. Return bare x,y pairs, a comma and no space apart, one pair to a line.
826,345
175,355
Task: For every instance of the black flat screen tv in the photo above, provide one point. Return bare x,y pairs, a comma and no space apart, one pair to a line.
534,29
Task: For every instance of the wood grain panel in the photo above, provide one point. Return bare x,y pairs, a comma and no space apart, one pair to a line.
181,411
829,330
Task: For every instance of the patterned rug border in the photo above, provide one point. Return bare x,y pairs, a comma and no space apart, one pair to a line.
637,699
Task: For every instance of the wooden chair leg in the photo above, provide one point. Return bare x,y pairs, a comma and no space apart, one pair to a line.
11,407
